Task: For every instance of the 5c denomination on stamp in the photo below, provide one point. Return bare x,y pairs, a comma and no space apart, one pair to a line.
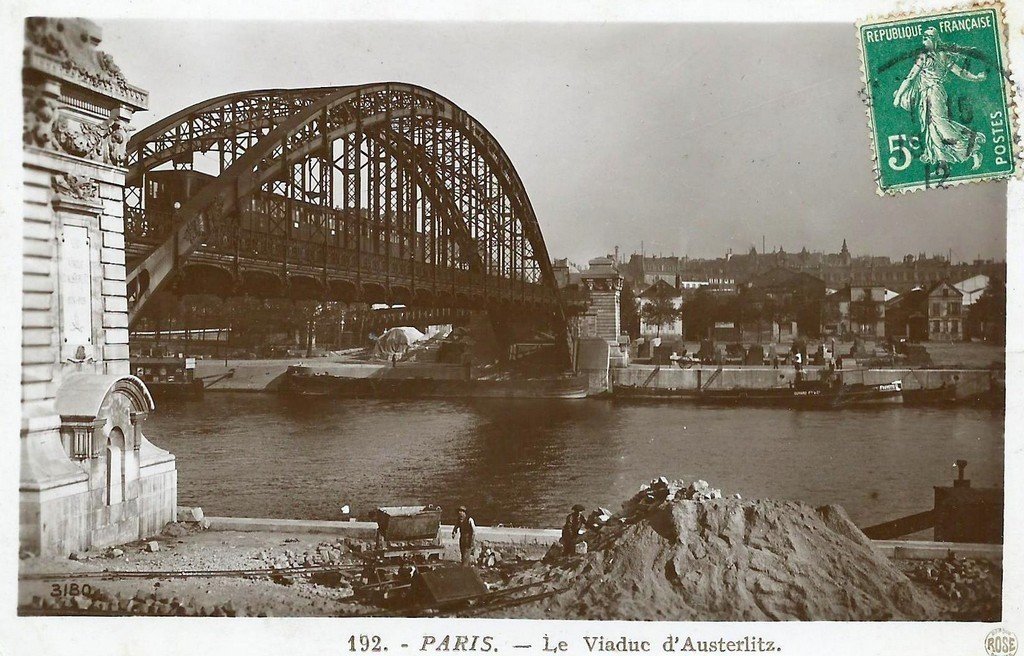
940,100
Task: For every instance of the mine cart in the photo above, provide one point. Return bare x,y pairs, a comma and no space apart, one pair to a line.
409,532
408,541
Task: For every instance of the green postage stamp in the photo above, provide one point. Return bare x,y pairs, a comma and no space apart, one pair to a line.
940,99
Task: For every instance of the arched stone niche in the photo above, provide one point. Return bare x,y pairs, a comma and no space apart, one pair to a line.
101,431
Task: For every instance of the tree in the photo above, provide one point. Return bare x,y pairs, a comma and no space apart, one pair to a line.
865,312
988,313
660,308
699,312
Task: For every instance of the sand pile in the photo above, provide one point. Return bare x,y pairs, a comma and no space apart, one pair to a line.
678,552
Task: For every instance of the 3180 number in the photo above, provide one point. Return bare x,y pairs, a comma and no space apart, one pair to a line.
70,590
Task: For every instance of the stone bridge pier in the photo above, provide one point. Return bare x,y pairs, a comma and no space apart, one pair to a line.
89,476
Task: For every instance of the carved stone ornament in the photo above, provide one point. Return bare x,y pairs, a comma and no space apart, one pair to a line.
104,142
74,49
74,186
40,112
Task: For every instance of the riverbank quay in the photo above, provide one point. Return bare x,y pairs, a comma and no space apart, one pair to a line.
275,567
692,380
269,375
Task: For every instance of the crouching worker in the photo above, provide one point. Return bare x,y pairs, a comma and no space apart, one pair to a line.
465,527
571,531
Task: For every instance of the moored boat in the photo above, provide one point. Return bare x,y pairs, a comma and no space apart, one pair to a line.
810,394
168,377
304,381
804,394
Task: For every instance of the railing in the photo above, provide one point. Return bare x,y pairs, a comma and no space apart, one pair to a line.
146,226
223,237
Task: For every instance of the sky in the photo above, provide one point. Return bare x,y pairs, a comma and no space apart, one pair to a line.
685,139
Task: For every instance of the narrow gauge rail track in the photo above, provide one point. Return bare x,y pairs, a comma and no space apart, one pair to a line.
188,574
493,600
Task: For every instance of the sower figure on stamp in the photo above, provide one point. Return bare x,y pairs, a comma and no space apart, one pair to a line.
466,529
571,530
945,140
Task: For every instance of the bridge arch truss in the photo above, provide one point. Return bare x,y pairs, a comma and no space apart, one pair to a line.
381,192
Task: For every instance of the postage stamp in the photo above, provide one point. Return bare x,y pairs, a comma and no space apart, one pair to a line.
940,99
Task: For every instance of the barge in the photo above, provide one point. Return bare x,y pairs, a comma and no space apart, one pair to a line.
826,394
810,394
301,380
168,378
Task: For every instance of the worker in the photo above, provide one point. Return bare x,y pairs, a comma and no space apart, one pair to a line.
571,531
798,362
466,528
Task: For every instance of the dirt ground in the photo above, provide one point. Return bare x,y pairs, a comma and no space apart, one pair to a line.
963,590
327,593
967,355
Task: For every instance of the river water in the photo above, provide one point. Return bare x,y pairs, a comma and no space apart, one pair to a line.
525,462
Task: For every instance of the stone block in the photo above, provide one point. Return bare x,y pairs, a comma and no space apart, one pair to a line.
37,373
152,546
115,352
113,193
37,193
35,283
36,177
38,355
111,223
115,288
113,240
114,272
36,391
116,336
40,229
186,514
115,304
113,206
112,256
37,319
36,336
37,300
115,320
36,265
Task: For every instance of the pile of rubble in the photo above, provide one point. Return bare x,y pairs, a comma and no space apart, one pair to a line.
975,586
681,551
99,602
336,552
658,491
187,521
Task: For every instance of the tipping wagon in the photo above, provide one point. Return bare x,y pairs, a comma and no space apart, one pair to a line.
408,539
409,530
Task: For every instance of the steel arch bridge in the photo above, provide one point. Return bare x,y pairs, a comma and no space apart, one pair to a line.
384,192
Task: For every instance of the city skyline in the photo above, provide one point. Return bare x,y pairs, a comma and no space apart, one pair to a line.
951,254
618,139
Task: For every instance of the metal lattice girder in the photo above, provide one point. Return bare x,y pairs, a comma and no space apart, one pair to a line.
389,183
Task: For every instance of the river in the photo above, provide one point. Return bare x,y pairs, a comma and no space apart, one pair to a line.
525,462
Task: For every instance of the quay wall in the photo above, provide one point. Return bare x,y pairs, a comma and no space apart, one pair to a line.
268,375
534,542
968,381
